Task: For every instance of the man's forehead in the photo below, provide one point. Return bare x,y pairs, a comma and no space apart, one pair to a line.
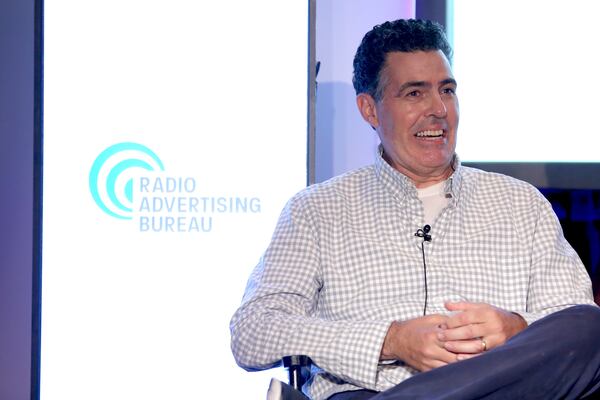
418,59
428,66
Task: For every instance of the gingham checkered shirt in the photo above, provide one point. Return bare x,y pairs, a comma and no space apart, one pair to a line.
344,262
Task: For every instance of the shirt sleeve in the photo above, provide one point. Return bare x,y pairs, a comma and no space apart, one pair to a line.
279,314
558,278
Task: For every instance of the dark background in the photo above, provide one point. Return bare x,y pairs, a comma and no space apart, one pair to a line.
16,195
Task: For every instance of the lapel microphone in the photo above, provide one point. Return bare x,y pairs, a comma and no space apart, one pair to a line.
424,233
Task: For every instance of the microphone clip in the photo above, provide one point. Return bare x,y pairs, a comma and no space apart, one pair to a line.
424,233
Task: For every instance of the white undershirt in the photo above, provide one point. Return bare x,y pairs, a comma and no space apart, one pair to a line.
434,200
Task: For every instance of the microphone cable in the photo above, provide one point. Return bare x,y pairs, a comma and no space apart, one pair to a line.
424,233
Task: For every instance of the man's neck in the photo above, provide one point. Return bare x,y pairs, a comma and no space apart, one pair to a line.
425,178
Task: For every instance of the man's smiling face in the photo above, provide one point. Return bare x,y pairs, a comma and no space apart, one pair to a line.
417,116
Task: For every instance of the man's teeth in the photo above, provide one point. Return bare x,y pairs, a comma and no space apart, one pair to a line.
430,133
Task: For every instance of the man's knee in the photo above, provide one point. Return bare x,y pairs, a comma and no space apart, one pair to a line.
578,324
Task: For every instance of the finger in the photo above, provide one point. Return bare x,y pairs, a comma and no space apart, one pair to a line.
460,305
445,356
461,357
465,318
436,352
433,357
473,346
462,332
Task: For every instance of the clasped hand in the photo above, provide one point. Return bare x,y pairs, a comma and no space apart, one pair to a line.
433,341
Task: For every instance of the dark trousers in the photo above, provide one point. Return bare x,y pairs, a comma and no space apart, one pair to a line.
557,357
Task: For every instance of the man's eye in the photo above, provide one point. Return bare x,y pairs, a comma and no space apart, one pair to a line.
449,91
414,93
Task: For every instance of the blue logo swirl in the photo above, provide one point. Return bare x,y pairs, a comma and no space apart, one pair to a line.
121,150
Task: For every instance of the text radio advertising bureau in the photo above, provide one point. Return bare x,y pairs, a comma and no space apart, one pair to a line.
128,181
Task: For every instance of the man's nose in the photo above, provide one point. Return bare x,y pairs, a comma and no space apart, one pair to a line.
437,107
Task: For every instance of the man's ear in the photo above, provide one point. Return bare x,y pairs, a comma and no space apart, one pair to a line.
366,106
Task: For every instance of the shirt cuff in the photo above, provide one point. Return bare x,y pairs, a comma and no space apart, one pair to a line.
360,349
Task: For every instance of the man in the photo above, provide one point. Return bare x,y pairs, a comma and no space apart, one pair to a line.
417,263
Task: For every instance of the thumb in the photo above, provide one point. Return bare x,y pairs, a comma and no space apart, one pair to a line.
459,306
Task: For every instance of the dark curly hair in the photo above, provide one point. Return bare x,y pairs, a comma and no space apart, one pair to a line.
401,35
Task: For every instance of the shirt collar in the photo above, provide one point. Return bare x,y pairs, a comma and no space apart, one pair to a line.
400,184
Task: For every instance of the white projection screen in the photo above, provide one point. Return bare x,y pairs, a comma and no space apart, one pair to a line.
527,86
174,133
